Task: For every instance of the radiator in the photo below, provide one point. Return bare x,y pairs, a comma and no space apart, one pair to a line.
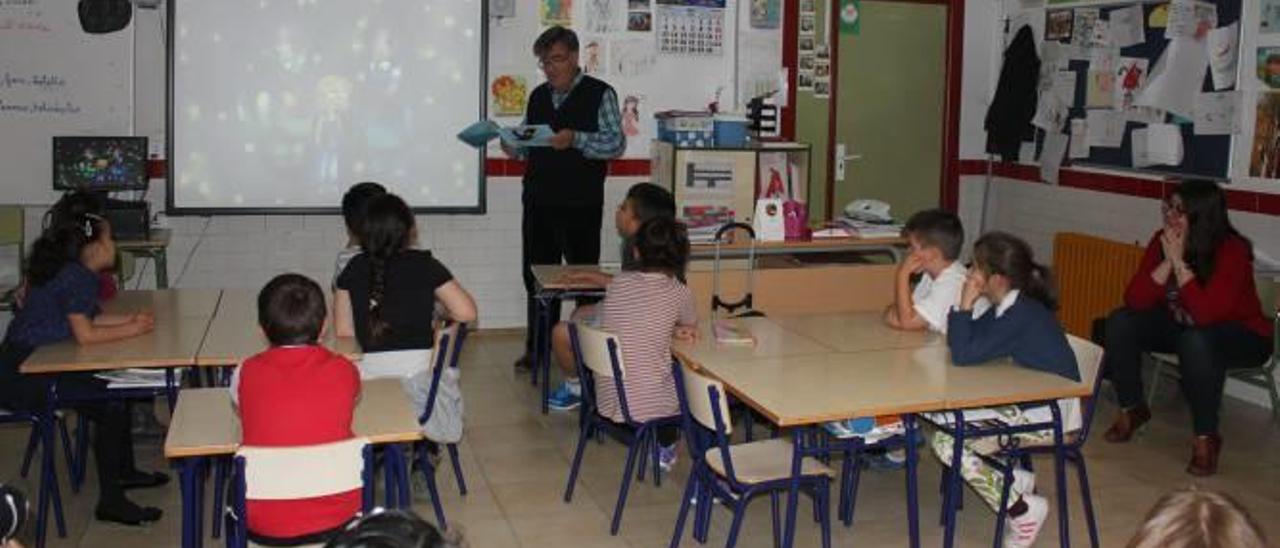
1091,274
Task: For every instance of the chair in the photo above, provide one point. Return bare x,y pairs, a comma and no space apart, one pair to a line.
41,438
736,474
288,473
853,450
448,347
1066,448
1262,376
12,241
598,353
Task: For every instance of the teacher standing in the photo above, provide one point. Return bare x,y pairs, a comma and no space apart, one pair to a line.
563,192
1193,296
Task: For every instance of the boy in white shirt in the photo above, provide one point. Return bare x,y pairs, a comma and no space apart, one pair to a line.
935,239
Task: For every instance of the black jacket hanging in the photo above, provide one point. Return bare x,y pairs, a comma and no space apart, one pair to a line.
1008,120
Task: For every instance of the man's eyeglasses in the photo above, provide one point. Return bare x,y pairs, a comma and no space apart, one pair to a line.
558,60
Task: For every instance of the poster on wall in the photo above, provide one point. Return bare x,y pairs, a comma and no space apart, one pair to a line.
766,14
1131,75
595,55
632,57
1270,21
1268,67
508,92
1057,25
556,12
603,16
1264,160
633,126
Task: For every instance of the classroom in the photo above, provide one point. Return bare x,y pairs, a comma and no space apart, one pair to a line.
685,272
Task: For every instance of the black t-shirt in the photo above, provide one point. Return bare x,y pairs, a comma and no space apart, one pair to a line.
408,301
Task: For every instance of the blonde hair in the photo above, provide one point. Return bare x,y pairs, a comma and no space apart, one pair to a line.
1195,518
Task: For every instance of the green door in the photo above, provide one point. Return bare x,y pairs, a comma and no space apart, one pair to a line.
890,107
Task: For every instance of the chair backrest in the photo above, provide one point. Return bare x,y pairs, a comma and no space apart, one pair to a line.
1091,274
1089,360
444,354
597,352
11,225
11,246
704,408
281,473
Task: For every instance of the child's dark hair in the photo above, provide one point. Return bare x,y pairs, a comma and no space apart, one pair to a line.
354,201
62,243
649,201
387,230
391,529
291,310
1007,255
73,205
937,228
663,245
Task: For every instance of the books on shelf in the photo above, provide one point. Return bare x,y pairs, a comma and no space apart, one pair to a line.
869,230
732,332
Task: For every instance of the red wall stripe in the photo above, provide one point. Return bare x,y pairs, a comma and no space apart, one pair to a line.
1237,200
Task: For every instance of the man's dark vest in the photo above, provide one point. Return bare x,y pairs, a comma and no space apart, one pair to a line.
565,177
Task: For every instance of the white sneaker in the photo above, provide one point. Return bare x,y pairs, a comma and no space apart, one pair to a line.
1021,531
1024,482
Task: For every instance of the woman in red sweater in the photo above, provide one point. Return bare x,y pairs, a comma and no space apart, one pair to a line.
1194,296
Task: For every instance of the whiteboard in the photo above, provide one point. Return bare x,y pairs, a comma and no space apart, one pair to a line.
281,106
55,79
632,63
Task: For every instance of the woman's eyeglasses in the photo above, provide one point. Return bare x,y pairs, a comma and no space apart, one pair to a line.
1172,209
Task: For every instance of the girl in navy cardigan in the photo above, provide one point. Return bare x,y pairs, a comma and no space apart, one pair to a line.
1020,325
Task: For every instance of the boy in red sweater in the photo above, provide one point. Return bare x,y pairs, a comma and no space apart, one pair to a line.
296,393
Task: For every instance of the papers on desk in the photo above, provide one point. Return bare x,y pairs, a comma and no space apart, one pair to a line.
134,378
732,332
871,231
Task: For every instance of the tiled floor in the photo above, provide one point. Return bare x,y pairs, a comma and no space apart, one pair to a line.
516,462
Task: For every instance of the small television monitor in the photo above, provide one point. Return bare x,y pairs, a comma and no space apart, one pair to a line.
99,163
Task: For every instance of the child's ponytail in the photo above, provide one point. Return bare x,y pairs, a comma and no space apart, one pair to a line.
1039,286
387,230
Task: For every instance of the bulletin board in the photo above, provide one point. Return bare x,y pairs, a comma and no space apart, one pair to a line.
646,51
1203,155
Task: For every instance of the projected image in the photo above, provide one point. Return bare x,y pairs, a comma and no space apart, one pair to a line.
99,163
286,104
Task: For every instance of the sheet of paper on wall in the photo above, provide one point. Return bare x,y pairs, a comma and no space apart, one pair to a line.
1105,128
1131,75
1144,115
1082,26
1217,113
1079,147
1055,146
1190,19
1101,88
1027,152
1064,86
1051,112
1270,21
1053,59
1138,148
1126,27
1224,45
1164,144
1176,79
1101,34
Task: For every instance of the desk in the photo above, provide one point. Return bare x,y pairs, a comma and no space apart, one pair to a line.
857,332
549,290
182,317
740,250
206,425
156,248
234,335
907,376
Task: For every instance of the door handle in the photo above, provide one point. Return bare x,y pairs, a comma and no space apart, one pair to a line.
842,156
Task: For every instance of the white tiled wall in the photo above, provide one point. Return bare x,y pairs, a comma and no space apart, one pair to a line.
482,251
1037,212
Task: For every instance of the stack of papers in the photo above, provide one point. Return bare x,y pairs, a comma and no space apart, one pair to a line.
732,332
864,229
133,378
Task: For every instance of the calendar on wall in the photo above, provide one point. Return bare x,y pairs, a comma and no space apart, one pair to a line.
690,27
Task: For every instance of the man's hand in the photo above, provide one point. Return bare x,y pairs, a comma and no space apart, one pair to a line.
562,140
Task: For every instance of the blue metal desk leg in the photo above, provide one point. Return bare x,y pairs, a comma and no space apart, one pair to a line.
542,342
955,483
793,494
913,504
190,481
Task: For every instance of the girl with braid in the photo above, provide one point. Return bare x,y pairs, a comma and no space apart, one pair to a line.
387,295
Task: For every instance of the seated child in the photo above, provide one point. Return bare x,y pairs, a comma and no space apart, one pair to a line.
386,296
1020,324
935,238
62,303
646,307
644,201
353,204
296,393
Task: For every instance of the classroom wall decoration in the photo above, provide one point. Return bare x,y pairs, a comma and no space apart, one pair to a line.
1265,160
766,14
1159,84
556,12
691,27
